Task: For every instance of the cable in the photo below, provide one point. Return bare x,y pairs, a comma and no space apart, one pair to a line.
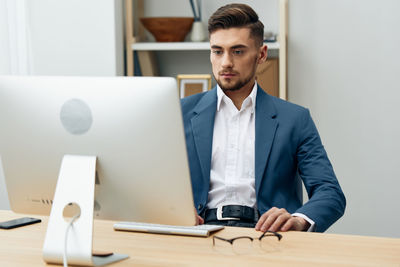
66,239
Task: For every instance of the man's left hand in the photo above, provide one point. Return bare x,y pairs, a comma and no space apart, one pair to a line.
280,220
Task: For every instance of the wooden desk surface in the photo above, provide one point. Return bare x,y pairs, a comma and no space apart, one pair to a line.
23,247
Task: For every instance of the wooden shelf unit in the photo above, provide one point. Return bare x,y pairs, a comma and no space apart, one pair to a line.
272,75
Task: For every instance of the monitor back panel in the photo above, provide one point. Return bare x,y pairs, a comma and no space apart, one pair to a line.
133,125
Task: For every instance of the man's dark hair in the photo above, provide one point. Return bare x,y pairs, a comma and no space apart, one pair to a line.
237,16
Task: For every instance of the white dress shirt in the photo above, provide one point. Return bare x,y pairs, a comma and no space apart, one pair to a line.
232,177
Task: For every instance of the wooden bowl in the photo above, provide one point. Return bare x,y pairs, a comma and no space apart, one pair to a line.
168,29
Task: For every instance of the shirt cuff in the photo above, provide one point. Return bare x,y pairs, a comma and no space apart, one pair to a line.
311,222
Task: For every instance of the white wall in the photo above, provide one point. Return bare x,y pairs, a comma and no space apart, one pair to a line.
344,63
68,37
73,37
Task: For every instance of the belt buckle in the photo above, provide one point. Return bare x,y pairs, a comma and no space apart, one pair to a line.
219,215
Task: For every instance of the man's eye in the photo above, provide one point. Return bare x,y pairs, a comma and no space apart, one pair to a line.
237,52
217,52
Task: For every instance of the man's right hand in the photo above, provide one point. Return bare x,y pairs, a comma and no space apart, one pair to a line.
276,219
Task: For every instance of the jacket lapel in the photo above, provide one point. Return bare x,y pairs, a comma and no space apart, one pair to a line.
266,126
203,128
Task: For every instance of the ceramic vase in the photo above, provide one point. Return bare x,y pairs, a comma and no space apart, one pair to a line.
198,33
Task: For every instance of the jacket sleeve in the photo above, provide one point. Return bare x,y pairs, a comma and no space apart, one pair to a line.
326,202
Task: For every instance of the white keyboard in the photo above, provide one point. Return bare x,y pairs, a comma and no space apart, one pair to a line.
198,230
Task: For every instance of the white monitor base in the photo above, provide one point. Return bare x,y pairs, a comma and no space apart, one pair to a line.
100,260
76,184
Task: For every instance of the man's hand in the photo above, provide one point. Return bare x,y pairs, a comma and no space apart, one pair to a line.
280,220
199,220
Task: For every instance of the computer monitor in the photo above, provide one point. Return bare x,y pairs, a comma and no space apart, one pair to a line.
133,125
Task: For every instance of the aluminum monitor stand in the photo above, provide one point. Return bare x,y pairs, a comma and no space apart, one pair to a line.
76,184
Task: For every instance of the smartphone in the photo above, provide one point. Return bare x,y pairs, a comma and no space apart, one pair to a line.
18,222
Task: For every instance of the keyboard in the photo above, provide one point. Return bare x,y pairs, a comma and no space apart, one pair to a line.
203,230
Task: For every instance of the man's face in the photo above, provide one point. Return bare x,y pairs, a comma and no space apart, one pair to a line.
234,58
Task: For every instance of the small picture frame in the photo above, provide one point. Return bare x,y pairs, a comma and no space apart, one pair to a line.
190,84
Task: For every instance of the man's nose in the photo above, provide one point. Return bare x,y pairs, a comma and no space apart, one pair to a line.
227,61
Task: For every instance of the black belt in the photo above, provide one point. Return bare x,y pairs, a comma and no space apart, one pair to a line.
231,212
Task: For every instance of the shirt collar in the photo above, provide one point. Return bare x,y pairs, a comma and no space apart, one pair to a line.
251,98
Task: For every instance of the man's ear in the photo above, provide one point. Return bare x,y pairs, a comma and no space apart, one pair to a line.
262,54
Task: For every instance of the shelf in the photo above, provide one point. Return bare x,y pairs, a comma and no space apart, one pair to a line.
180,46
159,46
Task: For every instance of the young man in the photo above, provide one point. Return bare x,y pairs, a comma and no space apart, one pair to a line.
249,151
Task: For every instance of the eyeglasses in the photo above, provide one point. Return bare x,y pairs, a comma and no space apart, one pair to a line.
242,244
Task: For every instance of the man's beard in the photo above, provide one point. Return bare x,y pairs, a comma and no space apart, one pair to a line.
234,87
239,84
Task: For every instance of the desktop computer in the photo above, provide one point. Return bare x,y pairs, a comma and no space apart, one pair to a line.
115,145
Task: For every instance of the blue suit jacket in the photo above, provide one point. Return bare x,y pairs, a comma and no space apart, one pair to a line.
287,148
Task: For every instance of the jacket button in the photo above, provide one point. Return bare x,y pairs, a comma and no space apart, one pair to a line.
200,206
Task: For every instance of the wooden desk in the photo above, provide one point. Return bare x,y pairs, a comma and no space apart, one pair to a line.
23,247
